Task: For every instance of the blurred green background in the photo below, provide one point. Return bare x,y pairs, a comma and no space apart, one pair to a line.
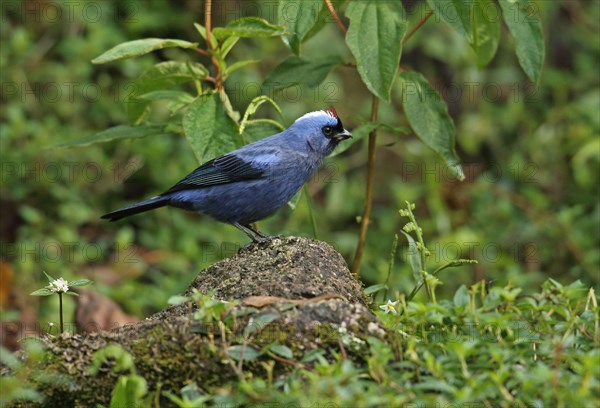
528,209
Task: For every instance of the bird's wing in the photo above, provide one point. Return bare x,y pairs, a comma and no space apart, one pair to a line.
225,169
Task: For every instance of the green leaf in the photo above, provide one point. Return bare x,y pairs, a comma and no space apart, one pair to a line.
526,29
253,107
227,46
323,19
42,292
257,129
248,353
50,278
178,300
358,134
240,64
202,30
375,288
208,129
166,94
461,297
296,70
293,203
259,322
457,13
299,17
428,116
486,31
80,282
129,391
162,76
71,293
281,350
140,47
123,360
414,258
246,27
375,39
114,133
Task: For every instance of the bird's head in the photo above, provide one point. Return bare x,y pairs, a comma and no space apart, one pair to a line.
322,130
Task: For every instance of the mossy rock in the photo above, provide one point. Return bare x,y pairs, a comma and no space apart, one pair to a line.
307,300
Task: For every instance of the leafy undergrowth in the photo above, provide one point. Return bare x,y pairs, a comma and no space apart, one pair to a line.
487,347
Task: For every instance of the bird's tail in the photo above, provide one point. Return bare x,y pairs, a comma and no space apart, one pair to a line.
143,206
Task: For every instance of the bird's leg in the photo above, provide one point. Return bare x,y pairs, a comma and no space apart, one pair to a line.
254,235
256,231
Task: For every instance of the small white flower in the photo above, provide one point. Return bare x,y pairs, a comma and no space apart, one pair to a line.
50,324
59,285
389,307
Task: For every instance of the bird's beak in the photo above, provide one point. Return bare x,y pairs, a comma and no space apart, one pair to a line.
342,136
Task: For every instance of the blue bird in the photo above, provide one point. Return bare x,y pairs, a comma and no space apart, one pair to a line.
252,182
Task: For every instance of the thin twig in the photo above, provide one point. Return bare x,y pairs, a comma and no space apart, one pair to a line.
415,28
364,222
201,51
335,16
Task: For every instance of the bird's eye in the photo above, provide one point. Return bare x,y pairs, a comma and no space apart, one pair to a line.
327,131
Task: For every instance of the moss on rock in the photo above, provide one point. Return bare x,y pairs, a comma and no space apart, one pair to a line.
172,348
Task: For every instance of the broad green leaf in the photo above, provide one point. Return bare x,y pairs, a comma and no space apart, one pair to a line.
123,360
414,258
239,352
162,76
486,31
296,70
457,13
140,47
208,129
259,322
461,297
129,391
358,134
375,39
246,27
240,64
363,131
299,17
526,29
428,116
79,282
375,288
42,292
257,129
114,133
281,350
323,19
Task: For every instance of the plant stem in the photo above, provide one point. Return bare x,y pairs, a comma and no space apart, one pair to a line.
311,212
60,311
335,16
207,23
364,222
415,28
210,45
